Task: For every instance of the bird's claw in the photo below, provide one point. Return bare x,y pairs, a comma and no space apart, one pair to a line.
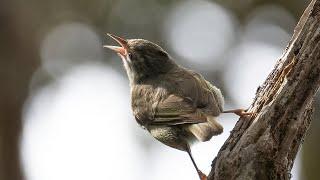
202,176
240,112
243,113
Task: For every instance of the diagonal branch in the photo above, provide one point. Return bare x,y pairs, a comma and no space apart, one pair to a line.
265,146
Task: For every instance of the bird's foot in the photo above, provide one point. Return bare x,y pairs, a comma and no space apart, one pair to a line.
239,112
202,175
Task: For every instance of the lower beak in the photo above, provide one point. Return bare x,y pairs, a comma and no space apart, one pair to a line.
122,50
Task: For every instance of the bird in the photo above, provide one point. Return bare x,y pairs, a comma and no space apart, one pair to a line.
178,106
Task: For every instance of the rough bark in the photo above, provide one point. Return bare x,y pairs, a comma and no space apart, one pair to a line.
264,146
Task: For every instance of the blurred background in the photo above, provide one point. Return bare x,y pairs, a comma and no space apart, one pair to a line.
64,100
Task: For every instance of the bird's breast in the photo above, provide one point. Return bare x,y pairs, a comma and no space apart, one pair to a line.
172,136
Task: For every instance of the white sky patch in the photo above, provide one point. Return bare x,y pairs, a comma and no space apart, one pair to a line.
77,128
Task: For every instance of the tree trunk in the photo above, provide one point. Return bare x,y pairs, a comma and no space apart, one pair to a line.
265,145
18,61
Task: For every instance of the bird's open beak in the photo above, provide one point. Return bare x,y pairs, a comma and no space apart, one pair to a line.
121,50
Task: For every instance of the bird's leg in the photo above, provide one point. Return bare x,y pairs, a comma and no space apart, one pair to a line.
239,112
201,175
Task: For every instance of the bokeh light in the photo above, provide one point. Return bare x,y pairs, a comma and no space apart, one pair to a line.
195,31
261,44
249,65
69,44
76,129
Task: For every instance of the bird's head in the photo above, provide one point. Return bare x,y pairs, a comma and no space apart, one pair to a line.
142,59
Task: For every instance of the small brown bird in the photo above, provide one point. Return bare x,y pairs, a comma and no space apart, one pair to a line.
176,105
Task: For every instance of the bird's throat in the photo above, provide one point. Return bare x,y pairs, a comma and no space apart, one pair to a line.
128,68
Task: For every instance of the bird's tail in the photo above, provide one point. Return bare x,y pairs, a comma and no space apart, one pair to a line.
204,131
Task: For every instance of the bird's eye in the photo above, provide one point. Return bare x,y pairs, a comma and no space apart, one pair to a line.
130,55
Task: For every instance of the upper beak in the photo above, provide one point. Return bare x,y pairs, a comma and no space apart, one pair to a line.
122,50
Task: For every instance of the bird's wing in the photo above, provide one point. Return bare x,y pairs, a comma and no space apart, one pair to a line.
210,96
217,95
176,110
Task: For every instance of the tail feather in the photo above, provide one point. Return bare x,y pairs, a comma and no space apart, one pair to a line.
204,131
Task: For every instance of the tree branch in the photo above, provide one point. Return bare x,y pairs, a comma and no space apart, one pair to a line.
265,146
